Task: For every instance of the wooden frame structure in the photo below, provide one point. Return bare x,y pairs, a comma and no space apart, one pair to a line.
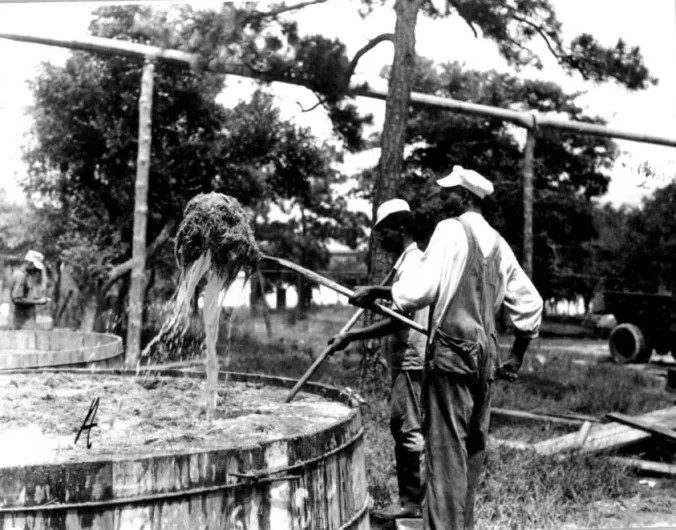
531,121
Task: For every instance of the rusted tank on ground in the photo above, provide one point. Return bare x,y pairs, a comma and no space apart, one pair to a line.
645,323
313,478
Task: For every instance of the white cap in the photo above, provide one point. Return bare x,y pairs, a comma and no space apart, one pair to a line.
36,258
389,207
468,179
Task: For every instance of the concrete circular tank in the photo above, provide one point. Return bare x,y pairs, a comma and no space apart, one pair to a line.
312,480
39,348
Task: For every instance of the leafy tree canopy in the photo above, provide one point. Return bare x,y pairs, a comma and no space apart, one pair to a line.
570,170
636,247
83,160
517,25
17,227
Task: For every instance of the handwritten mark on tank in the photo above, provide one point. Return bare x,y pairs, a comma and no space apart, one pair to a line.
88,424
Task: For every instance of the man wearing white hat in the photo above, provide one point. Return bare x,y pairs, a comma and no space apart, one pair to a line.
467,272
24,289
404,350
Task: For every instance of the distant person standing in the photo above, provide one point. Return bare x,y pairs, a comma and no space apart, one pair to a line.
25,291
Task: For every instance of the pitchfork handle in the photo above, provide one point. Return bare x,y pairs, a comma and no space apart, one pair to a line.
329,349
318,278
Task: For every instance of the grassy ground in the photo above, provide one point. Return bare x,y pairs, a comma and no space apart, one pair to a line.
518,490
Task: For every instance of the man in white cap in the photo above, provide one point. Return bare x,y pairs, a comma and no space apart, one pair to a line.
24,290
467,272
404,351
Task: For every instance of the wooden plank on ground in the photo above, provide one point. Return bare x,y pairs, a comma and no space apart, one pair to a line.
609,435
658,468
636,423
510,444
408,524
583,433
530,416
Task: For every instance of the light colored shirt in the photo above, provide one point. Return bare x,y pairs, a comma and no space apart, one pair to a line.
436,279
405,350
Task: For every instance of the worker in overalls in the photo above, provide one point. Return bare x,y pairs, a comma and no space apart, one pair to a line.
404,351
467,272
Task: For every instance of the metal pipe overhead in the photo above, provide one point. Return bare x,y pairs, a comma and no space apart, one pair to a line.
108,47
527,120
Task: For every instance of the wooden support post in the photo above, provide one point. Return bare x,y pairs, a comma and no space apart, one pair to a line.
528,151
136,292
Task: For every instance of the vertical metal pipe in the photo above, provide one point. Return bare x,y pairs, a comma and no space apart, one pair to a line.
528,202
136,292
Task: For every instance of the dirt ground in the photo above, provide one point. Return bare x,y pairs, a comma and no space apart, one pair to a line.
41,413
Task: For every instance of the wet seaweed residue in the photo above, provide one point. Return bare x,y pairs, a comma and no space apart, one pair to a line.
41,416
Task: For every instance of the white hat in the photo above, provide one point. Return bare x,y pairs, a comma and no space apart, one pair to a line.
468,179
36,258
389,207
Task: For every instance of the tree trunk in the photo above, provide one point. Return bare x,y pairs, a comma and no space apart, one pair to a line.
673,318
302,286
254,296
58,322
146,306
119,323
56,293
281,296
264,303
88,305
393,136
528,155
140,217
305,294
392,141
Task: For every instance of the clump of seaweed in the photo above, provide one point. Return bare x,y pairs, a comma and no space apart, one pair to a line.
216,223
214,242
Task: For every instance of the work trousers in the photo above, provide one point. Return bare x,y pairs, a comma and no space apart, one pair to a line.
406,428
457,410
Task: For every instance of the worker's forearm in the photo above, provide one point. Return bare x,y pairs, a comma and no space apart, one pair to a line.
24,301
29,301
382,292
377,330
519,347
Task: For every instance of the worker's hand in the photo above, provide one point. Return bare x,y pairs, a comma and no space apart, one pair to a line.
363,296
507,371
340,341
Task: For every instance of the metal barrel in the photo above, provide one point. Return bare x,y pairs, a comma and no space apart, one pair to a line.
311,480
